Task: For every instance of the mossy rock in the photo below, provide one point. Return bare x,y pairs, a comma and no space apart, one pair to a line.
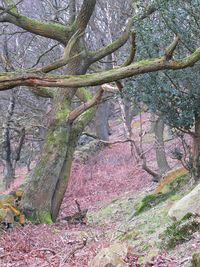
189,203
131,235
45,217
177,184
6,199
180,231
150,201
171,178
9,208
111,256
169,191
196,259
83,152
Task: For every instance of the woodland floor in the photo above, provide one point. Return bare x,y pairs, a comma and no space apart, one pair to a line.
108,175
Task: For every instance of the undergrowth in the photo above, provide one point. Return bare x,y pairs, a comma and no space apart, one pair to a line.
169,190
180,231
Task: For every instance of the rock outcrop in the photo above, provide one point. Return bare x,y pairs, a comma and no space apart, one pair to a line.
111,256
188,204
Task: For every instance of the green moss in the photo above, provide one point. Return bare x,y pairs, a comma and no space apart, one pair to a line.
177,184
146,61
58,30
174,197
38,170
45,217
11,3
84,118
169,191
62,113
56,138
150,201
2,214
41,217
196,259
180,231
84,94
129,235
36,216
105,212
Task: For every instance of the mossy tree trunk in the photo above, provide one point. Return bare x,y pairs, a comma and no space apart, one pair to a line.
45,190
47,184
161,159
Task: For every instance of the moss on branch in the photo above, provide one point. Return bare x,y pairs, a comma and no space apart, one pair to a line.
51,30
12,79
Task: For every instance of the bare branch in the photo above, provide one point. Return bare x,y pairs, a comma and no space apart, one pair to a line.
171,48
43,54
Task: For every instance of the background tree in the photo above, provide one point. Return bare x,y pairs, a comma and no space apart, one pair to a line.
172,96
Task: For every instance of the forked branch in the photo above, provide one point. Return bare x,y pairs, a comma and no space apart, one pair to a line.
85,106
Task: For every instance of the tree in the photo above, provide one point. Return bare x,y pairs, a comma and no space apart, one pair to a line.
174,96
45,189
10,155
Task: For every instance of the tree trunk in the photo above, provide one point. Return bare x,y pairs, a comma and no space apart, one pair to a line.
46,187
7,174
153,122
6,145
101,121
160,148
45,190
17,152
196,149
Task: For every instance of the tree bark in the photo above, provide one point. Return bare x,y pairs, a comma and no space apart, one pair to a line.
160,147
153,122
17,152
8,174
101,121
6,145
196,149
